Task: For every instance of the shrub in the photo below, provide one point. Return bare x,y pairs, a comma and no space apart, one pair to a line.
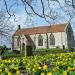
3,49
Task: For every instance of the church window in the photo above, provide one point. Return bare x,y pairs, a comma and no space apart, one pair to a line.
40,40
52,39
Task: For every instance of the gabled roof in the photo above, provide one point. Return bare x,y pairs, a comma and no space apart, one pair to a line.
42,29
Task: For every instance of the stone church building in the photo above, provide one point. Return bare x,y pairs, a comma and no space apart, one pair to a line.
54,36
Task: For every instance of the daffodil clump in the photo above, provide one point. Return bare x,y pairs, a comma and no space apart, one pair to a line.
50,64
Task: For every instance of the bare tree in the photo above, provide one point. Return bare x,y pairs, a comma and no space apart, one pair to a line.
6,27
70,3
39,8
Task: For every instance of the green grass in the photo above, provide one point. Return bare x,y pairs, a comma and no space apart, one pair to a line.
11,54
40,51
49,49
43,51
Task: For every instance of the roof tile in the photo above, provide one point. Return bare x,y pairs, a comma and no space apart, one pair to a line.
42,29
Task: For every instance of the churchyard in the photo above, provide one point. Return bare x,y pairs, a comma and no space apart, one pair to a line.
41,63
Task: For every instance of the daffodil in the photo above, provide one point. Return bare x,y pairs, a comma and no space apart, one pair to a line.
39,67
16,68
36,66
0,70
45,67
56,68
42,73
18,72
65,73
49,73
9,73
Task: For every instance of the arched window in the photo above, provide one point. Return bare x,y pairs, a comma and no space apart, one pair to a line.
18,41
40,40
52,39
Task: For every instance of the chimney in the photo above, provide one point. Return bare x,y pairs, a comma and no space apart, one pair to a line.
19,27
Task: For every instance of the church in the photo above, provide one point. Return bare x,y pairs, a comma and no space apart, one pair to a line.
51,36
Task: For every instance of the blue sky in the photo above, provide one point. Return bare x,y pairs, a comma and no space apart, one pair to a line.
36,21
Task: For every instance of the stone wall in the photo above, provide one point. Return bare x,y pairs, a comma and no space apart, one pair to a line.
60,40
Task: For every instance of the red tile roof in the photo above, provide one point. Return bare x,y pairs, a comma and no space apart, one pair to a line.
42,29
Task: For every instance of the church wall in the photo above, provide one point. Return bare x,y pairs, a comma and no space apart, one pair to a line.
15,43
64,39
36,41
23,40
49,40
60,40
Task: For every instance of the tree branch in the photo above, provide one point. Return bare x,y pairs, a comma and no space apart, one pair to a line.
32,8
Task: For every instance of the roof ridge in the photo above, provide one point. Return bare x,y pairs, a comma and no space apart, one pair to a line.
42,29
59,24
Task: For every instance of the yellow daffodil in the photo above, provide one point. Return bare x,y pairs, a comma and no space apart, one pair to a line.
33,70
9,73
74,64
65,73
74,61
18,72
9,61
69,68
56,68
0,70
49,73
45,67
16,68
42,73
39,67
36,66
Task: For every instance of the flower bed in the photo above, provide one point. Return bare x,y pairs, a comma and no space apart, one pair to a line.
50,64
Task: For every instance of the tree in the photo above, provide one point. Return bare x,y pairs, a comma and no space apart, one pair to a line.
6,27
41,8
31,8
70,3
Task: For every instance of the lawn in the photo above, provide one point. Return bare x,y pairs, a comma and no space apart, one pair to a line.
49,64
43,51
